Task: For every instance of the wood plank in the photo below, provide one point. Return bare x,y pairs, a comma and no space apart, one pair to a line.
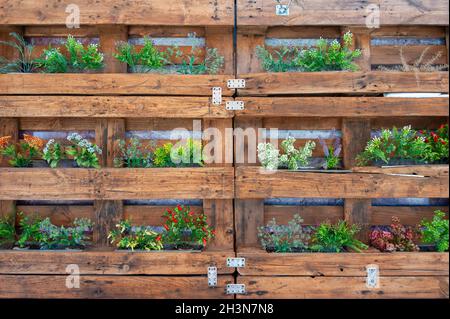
222,39
254,183
411,215
116,184
107,214
385,55
109,35
355,134
113,287
423,31
221,218
342,82
358,212
343,264
336,12
311,215
342,107
8,127
418,170
112,84
6,51
150,215
343,287
59,215
249,217
60,31
247,61
135,107
137,12
164,31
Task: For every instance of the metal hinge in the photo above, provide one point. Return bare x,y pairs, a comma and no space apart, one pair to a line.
236,84
235,289
212,277
234,105
216,95
236,262
373,276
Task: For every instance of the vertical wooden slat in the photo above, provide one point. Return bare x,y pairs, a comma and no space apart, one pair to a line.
106,215
109,36
221,38
101,139
249,217
241,144
7,51
247,41
116,132
361,40
358,211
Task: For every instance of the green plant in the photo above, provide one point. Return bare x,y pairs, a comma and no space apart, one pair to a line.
83,58
133,154
141,238
53,153
396,237
331,153
435,231
437,142
161,156
190,65
22,154
336,238
149,57
83,152
25,63
326,56
29,230
184,155
285,238
184,227
278,61
53,61
395,144
7,231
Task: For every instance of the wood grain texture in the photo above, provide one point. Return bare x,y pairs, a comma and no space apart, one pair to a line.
355,135
112,84
137,12
109,35
113,287
115,184
336,12
323,106
253,183
344,287
249,216
342,82
418,170
113,262
107,214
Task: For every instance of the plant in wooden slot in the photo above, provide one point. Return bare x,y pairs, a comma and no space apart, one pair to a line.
83,152
53,153
293,237
336,238
22,154
53,61
332,152
396,237
435,231
7,232
125,236
29,230
268,156
186,229
187,154
211,65
133,154
438,143
25,62
277,60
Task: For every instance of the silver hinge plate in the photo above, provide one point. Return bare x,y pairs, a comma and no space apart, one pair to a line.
235,289
282,10
236,84
373,276
236,262
234,105
212,277
216,95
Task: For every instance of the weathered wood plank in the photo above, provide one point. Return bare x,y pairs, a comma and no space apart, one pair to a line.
113,287
336,12
344,287
113,263
115,184
311,215
136,12
342,82
342,107
410,215
260,263
418,170
253,183
249,217
135,107
113,84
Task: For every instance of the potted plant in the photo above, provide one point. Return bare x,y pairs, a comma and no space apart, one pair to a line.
435,232
396,237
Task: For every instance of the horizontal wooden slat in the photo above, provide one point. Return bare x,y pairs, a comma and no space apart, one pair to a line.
111,106
253,183
419,170
136,12
112,263
338,12
423,31
411,54
150,215
60,31
259,262
343,82
113,84
113,287
413,215
311,215
59,215
344,287
162,32
343,107
115,184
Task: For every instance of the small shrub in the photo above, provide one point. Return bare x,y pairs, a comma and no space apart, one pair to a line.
396,237
53,153
83,152
184,155
29,230
83,58
21,154
437,142
278,61
135,238
336,238
25,63
53,61
332,152
285,238
148,57
436,231
211,65
133,154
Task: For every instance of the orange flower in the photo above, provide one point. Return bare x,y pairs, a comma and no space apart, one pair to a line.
33,141
4,141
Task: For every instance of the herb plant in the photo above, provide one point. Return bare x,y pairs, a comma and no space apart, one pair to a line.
285,238
133,154
81,57
437,141
336,238
22,154
148,57
7,232
29,230
53,61
435,231
185,155
396,237
25,63
278,61
211,65
135,238
53,153
83,152
332,160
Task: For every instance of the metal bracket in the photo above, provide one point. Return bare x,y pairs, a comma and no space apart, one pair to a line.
236,262
282,10
216,95
373,276
234,105
212,277
235,289
236,84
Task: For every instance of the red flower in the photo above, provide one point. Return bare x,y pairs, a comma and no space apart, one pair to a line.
191,214
204,242
443,142
435,138
179,207
158,238
166,227
442,126
175,220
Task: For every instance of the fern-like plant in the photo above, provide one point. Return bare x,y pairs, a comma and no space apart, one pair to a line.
25,62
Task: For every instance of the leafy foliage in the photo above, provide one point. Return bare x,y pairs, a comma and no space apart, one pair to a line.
53,61
436,231
185,154
396,237
278,61
83,152
25,63
437,141
83,58
336,238
53,153
133,154
211,65
332,160
285,238
7,231
22,154
141,238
